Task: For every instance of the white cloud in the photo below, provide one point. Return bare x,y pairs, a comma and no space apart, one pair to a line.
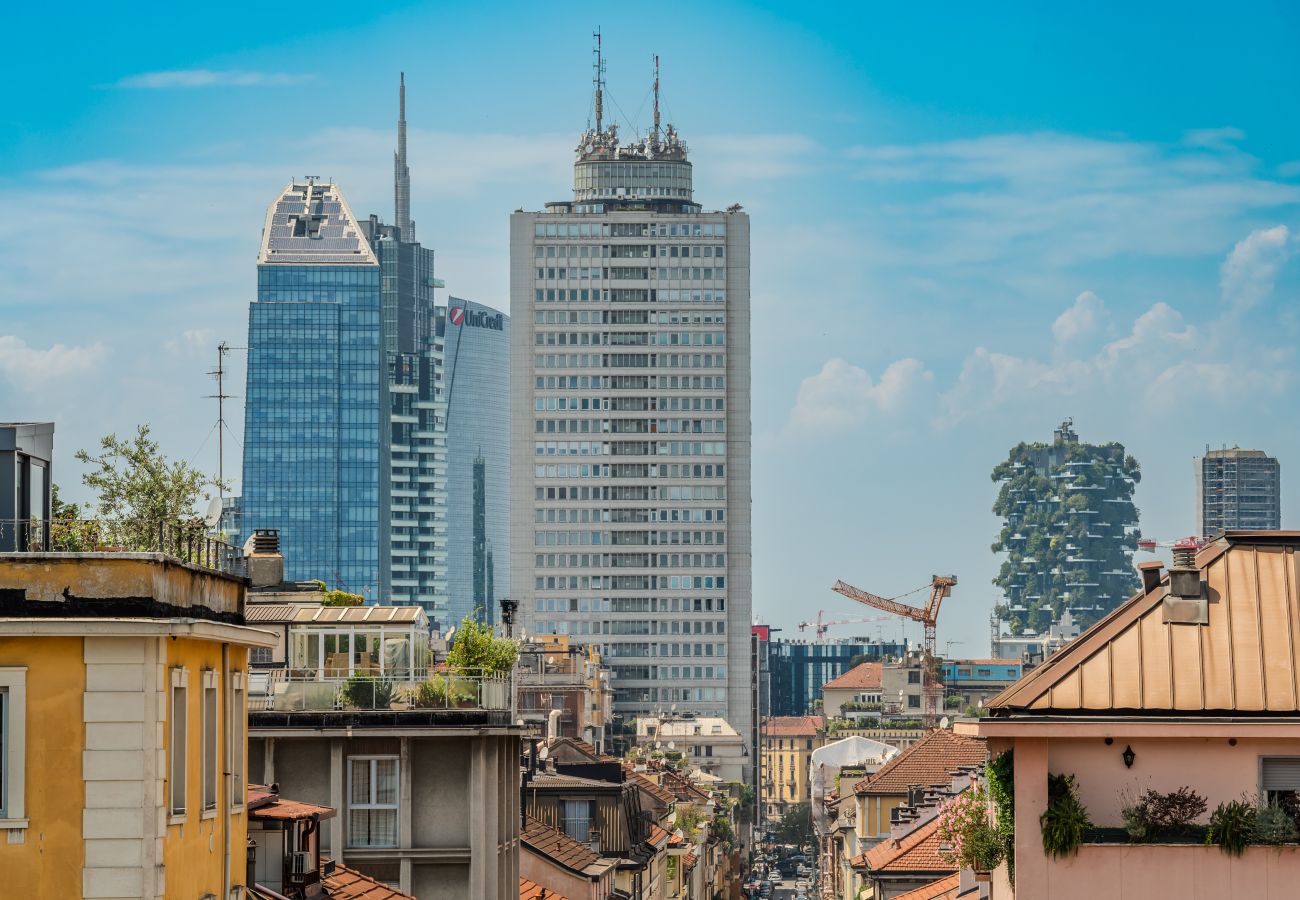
200,78
30,367
752,157
1247,275
1081,321
843,395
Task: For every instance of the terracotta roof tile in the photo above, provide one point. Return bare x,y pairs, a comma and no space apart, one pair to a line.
863,676
556,845
529,890
348,884
915,852
658,837
926,762
793,726
943,889
691,859
662,794
290,810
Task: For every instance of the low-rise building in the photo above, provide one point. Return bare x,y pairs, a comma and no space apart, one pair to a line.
969,683
564,865
855,693
564,689
123,722
788,745
707,742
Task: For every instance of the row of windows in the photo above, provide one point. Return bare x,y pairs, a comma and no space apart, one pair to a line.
630,382
663,648
630,360
210,733
631,604
656,539
665,295
622,404
627,317
631,273
628,251
629,339
629,229
607,560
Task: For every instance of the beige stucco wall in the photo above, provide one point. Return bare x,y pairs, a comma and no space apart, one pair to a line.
1187,872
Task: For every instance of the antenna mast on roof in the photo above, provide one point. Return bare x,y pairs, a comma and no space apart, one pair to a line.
656,131
600,83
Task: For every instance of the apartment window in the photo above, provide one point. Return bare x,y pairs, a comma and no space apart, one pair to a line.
236,725
211,752
577,819
913,701
373,799
13,746
913,677
1280,781
261,656
176,744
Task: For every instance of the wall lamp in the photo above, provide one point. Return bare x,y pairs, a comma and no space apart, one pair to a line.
1129,756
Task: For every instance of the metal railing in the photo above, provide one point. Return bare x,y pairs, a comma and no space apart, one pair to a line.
186,541
278,690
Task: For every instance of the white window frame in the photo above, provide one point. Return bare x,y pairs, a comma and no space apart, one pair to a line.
13,747
210,732
373,804
178,746
236,719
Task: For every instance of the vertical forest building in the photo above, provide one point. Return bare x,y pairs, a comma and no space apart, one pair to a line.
1070,530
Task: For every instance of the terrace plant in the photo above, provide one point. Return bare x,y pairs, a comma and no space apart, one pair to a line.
368,692
1274,825
1232,826
1002,791
477,651
1155,816
966,828
431,694
1065,819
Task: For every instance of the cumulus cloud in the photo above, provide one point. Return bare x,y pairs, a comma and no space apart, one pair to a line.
30,367
1081,321
1247,275
844,395
201,78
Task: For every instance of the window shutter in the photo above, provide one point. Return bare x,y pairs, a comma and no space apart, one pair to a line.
1281,773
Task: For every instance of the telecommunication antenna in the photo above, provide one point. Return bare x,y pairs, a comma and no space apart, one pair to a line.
599,81
656,131
221,397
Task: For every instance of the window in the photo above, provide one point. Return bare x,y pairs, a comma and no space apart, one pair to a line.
372,801
261,656
211,753
176,745
578,815
913,677
13,747
236,717
1280,781
913,702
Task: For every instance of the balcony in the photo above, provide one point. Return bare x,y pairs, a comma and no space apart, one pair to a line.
275,690
187,542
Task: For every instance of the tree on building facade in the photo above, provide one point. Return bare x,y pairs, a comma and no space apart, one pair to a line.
1070,529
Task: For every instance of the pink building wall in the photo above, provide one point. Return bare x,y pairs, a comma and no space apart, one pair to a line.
1187,872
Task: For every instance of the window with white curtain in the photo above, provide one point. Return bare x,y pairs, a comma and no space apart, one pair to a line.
578,819
373,798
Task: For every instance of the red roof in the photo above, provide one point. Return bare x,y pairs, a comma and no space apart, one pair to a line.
690,860
529,890
943,889
793,726
348,884
928,761
915,852
554,844
862,677
658,837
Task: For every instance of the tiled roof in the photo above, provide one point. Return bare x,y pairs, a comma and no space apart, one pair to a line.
529,890
270,612
682,788
586,749
915,852
793,726
555,844
548,780
662,794
359,614
348,884
658,837
928,761
943,889
290,810
862,677
690,860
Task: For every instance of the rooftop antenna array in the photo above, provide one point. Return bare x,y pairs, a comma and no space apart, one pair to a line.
221,397
599,81
656,131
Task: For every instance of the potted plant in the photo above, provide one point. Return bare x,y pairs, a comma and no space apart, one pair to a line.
968,837
1154,816
367,692
1065,819
431,694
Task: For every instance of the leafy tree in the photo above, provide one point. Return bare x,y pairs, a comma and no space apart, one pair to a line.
137,487
477,650
61,510
796,825
1070,528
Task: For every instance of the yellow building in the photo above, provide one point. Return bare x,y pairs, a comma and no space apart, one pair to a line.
123,726
788,745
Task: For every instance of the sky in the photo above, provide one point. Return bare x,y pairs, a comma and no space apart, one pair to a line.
969,222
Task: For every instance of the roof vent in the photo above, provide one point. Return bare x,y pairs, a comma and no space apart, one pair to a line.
1150,572
1187,602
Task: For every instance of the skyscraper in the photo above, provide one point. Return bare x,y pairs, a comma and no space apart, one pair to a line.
477,383
345,444
1237,488
630,425
312,441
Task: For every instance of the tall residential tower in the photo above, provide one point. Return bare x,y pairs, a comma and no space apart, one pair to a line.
630,426
1239,489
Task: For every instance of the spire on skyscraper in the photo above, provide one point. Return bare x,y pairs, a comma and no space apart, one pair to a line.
402,174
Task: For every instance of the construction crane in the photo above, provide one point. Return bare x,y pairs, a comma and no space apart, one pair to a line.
940,586
821,624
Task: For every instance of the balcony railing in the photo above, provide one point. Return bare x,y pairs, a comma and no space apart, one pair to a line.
186,541
276,690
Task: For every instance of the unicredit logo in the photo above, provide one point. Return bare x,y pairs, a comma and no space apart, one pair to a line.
460,316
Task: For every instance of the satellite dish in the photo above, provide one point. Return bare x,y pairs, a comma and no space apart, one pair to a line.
450,632
543,752
213,516
943,723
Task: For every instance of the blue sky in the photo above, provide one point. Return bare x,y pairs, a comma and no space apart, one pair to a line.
968,223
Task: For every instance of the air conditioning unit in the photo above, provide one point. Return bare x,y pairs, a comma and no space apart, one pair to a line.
301,864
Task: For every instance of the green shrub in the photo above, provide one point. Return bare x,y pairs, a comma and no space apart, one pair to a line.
1065,819
1232,826
1001,772
1154,815
1274,825
368,692
431,694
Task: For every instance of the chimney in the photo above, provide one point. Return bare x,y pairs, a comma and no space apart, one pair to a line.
265,562
1187,601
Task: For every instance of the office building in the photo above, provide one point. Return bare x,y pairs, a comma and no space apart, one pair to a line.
1237,489
476,379
630,427
345,437
798,669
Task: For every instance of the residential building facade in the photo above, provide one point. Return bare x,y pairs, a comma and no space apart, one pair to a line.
1237,489
856,692
477,379
630,427
788,745
709,743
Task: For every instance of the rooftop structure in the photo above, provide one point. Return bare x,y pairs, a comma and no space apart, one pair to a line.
1237,489
312,224
26,482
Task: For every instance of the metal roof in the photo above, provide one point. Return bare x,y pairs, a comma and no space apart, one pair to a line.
348,615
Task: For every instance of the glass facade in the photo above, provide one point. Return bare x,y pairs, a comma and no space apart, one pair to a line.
477,340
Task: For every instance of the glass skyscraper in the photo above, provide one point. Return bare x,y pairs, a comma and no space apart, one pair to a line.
477,384
312,441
